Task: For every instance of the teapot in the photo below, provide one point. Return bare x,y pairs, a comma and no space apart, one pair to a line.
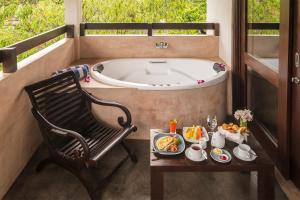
218,140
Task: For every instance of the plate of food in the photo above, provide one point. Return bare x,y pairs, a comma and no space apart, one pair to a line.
220,155
233,132
168,144
195,134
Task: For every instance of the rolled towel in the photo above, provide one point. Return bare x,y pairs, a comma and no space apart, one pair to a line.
81,71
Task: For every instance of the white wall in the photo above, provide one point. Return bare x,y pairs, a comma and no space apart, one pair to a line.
220,11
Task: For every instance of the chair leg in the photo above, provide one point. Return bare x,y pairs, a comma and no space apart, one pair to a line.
131,155
89,182
87,179
42,164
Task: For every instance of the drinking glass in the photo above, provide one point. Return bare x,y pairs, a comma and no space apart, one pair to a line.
172,125
212,123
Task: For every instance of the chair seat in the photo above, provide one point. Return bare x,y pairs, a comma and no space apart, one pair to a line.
99,137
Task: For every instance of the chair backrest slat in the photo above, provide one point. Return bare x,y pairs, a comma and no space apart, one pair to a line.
65,80
58,99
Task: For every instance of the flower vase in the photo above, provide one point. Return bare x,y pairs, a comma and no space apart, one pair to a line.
243,123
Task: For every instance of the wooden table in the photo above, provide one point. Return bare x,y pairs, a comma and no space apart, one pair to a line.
262,164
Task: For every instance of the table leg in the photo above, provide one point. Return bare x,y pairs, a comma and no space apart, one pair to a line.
157,185
265,185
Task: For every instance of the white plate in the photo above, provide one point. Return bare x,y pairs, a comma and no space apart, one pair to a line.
187,155
181,146
205,135
251,158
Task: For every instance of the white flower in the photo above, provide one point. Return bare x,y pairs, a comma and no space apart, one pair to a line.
245,115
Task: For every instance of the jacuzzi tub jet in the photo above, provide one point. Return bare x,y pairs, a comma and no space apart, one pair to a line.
168,74
98,67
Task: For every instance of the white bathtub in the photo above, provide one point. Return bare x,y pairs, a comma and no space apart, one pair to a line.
158,73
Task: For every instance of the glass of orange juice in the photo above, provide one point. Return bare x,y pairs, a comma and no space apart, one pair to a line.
172,125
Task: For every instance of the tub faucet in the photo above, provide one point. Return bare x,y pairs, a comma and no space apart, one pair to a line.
161,45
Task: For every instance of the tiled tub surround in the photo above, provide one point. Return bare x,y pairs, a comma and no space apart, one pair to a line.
153,109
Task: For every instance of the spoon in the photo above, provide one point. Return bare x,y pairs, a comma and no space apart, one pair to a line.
204,154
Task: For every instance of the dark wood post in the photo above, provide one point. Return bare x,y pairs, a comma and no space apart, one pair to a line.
9,59
82,29
157,184
150,30
265,184
70,31
217,29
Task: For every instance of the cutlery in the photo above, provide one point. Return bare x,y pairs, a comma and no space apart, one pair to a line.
204,154
160,132
253,154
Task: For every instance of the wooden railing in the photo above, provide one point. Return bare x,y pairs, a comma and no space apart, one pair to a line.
8,55
150,27
263,26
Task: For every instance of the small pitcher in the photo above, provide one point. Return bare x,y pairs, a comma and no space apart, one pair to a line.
218,140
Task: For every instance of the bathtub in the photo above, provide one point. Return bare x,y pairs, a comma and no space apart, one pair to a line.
158,73
157,90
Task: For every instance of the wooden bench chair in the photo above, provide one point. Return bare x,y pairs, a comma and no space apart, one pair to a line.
76,140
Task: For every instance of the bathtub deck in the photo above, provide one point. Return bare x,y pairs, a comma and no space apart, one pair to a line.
132,181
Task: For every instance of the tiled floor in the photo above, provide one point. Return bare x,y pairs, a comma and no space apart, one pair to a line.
132,181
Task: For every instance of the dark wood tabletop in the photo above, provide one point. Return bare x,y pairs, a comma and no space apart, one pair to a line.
181,163
160,164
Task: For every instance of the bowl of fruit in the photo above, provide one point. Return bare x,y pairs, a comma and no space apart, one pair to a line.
194,134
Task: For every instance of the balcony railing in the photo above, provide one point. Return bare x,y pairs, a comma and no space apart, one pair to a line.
8,55
263,26
150,27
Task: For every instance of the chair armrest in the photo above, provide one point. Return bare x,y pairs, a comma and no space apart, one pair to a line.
65,133
102,102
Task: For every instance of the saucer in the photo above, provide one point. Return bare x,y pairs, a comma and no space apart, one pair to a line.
199,160
217,157
251,158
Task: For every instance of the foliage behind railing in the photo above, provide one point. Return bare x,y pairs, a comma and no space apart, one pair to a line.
8,55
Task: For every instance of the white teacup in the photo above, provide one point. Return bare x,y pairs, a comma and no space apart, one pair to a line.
243,150
196,152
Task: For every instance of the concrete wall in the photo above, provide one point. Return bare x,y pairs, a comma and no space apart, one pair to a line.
144,46
220,11
19,135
